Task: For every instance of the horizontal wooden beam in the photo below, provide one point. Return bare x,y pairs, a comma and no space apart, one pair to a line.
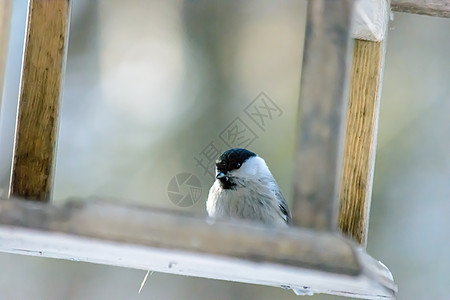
436,8
141,238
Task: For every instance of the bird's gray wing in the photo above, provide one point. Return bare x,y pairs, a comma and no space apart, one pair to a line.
284,209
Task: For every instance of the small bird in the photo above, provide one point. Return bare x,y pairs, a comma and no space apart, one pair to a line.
244,188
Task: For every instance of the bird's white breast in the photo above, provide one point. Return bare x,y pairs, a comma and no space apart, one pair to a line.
256,201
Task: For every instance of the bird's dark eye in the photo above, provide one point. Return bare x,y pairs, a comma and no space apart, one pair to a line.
238,166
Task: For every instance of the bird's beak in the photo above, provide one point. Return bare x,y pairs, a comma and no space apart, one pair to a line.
220,175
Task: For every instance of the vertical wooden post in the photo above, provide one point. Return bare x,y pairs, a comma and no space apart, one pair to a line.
323,101
360,146
40,92
5,22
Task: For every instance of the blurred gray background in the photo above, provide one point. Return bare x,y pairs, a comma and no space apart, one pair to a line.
150,84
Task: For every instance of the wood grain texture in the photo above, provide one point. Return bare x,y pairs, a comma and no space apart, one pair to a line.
163,241
436,8
5,23
362,123
322,113
40,93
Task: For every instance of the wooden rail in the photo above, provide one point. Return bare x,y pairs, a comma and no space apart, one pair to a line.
142,238
40,92
436,8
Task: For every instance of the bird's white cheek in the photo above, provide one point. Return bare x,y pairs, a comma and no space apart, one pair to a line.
244,172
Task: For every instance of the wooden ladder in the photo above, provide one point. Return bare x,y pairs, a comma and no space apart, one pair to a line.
323,253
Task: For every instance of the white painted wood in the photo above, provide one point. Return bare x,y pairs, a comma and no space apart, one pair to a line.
137,237
371,20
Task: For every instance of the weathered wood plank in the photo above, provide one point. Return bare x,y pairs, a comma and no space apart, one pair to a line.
138,237
436,8
361,136
322,113
40,93
5,23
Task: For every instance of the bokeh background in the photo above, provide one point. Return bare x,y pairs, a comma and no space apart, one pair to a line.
150,84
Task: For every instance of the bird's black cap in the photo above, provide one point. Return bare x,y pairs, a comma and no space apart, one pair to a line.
233,159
